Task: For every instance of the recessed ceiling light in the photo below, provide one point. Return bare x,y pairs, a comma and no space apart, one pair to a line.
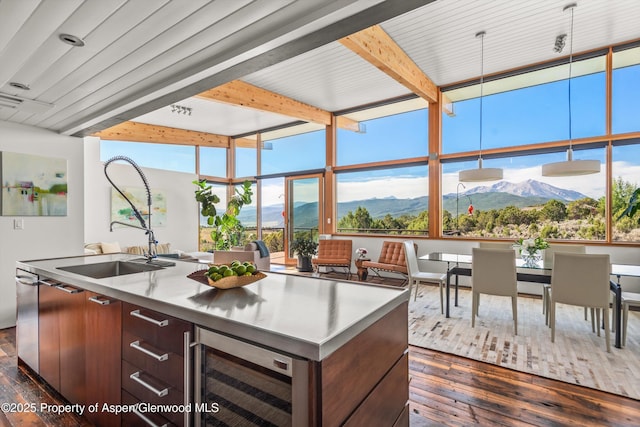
19,85
71,39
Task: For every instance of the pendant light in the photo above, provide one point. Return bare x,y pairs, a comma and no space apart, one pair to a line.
480,174
571,167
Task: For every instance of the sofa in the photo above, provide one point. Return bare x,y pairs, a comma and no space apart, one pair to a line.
250,252
114,247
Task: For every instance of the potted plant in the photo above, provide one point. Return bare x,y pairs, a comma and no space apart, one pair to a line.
227,229
531,250
304,248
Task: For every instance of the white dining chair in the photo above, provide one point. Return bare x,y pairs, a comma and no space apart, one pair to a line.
494,273
416,276
629,299
581,280
496,245
548,259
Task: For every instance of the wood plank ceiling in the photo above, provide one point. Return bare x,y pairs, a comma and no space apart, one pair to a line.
267,63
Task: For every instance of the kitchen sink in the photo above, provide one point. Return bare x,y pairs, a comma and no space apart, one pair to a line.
101,270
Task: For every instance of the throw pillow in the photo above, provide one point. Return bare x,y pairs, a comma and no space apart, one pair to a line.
163,248
110,248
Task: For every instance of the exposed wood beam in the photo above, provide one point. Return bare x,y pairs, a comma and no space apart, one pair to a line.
346,123
142,132
377,47
447,106
247,95
246,143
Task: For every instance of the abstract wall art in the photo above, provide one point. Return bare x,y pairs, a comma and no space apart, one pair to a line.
121,210
33,185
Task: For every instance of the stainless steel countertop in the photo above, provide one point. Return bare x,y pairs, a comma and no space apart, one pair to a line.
303,316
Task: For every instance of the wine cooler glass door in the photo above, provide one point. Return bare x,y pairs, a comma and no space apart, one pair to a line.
243,384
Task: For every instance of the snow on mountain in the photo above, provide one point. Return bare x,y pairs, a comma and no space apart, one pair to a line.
528,188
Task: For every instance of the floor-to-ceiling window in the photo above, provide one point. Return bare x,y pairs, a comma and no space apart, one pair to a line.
294,151
524,203
213,162
382,174
383,201
522,117
625,152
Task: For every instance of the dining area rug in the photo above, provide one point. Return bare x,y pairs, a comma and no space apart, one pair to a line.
578,355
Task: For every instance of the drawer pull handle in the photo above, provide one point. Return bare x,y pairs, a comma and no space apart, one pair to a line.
27,280
160,393
281,364
159,357
161,323
147,420
49,282
100,301
69,289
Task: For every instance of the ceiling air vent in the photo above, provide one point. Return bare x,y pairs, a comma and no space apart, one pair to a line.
21,104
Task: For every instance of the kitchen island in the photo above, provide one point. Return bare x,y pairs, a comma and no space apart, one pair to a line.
342,344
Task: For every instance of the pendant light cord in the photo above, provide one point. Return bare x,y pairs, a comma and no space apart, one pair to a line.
569,91
482,34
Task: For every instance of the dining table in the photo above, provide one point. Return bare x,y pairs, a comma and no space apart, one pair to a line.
536,271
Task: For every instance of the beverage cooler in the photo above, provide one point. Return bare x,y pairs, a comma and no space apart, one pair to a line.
238,383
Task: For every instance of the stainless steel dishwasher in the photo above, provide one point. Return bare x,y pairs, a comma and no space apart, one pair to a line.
27,318
238,383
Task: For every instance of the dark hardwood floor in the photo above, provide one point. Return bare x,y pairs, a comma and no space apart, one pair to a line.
445,390
19,388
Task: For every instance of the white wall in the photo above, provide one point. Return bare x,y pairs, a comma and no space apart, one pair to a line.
181,230
42,237
618,254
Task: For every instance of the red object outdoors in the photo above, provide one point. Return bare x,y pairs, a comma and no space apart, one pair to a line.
470,209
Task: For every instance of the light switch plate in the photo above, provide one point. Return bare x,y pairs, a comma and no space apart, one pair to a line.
18,224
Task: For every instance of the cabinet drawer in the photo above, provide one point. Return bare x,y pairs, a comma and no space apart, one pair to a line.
385,403
157,329
161,364
141,419
149,389
403,419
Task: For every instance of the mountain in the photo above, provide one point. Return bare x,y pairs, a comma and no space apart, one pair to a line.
378,208
488,201
522,194
528,188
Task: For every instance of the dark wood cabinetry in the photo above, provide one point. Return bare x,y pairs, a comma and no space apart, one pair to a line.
94,349
366,382
62,340
138,418
49,335
80,338
155,361
103,326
